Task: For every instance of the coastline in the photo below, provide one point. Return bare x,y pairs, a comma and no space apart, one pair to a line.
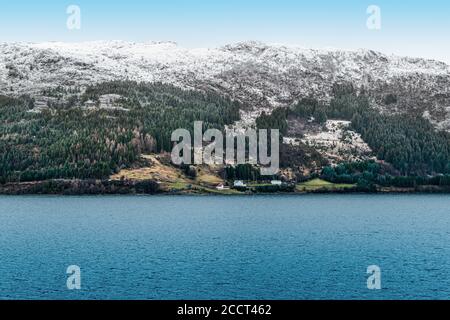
150,187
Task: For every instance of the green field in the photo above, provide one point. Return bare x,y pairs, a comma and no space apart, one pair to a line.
319,184
196,188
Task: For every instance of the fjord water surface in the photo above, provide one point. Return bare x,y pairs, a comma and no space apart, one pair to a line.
214,247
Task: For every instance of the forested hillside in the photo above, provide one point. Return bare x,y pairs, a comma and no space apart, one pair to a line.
70,140
95,132
409,142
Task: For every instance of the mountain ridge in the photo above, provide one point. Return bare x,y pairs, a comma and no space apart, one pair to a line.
260,75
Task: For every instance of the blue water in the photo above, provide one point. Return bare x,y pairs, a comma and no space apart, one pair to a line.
249,247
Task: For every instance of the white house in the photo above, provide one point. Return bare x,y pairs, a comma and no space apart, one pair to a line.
222,187
276,182
239,183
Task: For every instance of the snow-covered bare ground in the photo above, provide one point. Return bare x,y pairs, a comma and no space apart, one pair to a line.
260,75
336,142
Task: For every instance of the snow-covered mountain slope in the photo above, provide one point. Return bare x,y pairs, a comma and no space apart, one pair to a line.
262,76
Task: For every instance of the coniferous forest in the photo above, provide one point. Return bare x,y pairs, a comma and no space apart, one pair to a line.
69,140
409,142
77,136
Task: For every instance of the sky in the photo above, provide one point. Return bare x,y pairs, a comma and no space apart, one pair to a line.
411,28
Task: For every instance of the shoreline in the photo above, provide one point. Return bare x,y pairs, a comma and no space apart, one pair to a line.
150,187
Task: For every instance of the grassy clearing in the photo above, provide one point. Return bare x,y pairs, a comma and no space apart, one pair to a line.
215,191
208,177
319,184
154,171
178,185
196,188
173,179
259,184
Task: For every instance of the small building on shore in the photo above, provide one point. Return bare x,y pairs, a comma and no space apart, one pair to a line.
239,183
276,182
221,186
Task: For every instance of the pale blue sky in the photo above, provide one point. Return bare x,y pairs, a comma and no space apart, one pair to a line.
415,28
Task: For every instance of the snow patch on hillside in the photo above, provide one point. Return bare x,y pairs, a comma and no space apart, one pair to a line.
336,142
